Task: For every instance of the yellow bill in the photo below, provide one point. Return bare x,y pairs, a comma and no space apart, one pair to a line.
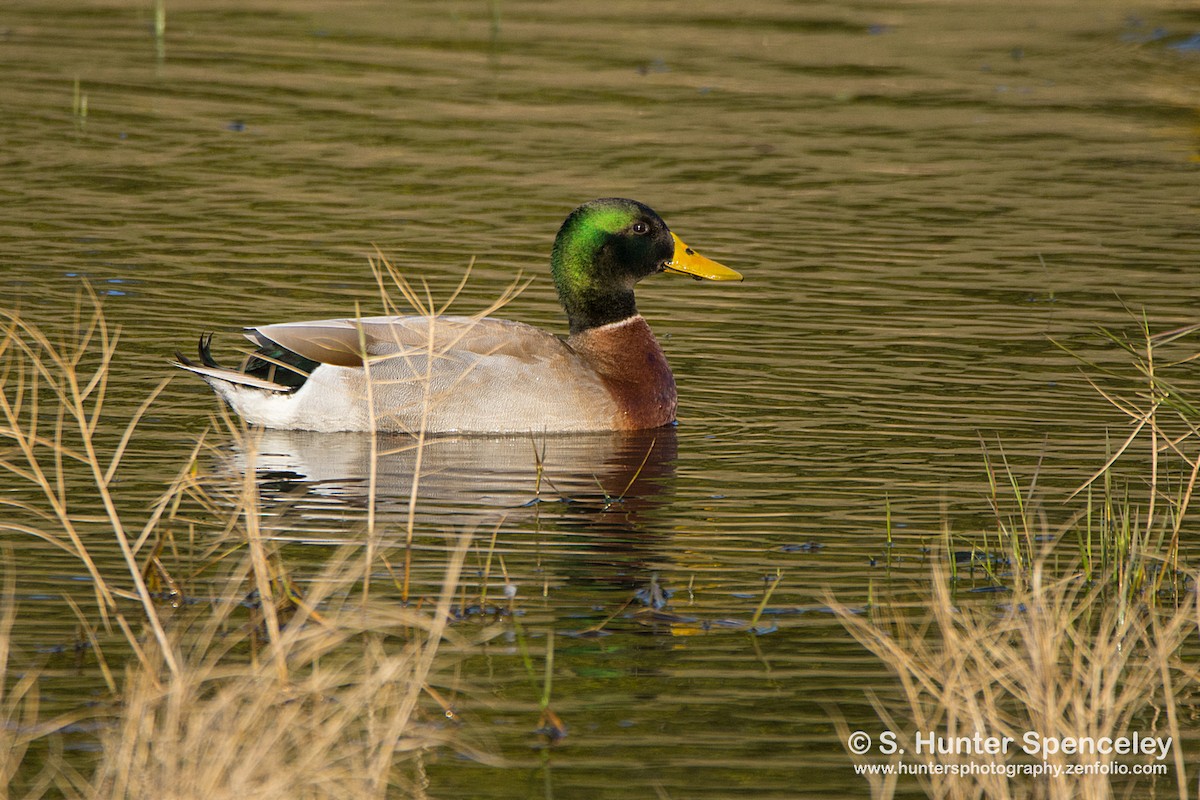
687,261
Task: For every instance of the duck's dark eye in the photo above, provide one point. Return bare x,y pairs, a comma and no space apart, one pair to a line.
640,228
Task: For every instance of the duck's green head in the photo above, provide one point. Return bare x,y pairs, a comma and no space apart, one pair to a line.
606,246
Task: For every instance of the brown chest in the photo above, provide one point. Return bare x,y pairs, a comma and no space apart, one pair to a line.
627,357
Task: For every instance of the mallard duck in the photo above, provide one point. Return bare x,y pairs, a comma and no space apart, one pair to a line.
486,375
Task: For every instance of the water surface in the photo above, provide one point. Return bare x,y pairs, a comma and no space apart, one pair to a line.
922,197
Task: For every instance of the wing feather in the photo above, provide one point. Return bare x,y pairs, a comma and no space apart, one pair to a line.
340,342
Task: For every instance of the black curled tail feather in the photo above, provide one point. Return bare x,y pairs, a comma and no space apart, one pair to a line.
204,351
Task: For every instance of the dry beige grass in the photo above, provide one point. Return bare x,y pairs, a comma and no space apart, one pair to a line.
1054,659
343,721
1094,649
328,694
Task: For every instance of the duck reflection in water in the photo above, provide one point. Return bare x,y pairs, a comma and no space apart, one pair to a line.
598,495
